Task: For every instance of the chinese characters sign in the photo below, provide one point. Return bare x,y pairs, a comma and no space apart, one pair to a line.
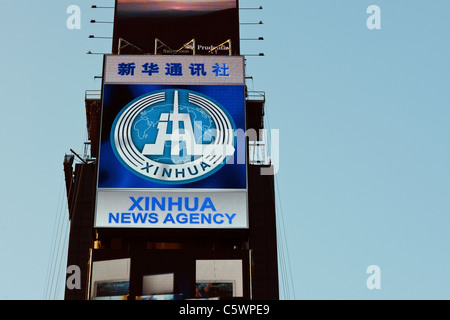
148,69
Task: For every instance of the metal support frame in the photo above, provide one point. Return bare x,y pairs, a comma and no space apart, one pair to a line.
223,43
120,46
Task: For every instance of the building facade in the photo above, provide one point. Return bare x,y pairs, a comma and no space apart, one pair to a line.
174,201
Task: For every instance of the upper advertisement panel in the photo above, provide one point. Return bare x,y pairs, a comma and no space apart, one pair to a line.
170,26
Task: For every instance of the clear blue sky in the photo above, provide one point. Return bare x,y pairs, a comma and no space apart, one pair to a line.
363,117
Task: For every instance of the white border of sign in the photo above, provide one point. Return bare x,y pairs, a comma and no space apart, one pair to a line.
225,209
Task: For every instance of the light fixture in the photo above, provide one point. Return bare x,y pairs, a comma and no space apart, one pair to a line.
91,36
95,21
90,52
260,22
259,38
95,7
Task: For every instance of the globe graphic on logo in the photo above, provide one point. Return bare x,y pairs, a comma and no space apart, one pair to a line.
173,136
145,130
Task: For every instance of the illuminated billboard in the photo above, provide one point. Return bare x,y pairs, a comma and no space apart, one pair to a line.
172,151
110,279
219,278
165,26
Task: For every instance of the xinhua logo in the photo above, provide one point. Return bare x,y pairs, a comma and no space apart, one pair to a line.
173,136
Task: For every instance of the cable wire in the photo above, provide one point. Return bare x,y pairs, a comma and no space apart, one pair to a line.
53,240
282,243
60,230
